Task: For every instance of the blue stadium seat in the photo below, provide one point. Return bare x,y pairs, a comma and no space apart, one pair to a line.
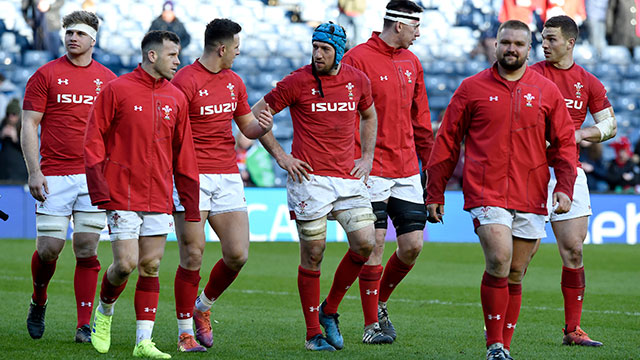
111,61
632,72
36,58
624,103
439,85
245,64
606,70
21,74
630,87
616,54
438,103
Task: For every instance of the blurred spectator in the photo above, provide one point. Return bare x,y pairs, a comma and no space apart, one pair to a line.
574,9
12,167
351,19
169,22
636,154
90,6
5,87
622,23
624,174
594,166
44,18
597,23
254,163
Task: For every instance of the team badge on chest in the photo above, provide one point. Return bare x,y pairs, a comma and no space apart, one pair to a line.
578,87
408,74
231,90
98,83
350,87
167,110
529,99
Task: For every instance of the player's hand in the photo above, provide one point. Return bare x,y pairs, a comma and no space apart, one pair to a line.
578,136
561,203
38,186
362,169
265,119
296,168
435,213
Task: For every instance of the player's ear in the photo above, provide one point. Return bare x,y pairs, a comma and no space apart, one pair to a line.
152,56
221,49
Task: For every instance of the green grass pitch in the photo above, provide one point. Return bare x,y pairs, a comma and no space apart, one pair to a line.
436,309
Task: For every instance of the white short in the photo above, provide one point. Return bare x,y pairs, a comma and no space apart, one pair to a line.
67,193
124,225
523,225
219,193
581,204
315,198
407,189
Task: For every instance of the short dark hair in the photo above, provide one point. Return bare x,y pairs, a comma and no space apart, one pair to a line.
155,38
81,17
219,31
407,6
515,25
568,27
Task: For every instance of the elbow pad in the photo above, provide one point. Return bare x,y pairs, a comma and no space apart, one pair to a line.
605,123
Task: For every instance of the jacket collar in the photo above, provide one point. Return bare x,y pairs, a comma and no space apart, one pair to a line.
379,44
148,80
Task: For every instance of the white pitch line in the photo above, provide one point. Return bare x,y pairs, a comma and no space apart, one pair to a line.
351,297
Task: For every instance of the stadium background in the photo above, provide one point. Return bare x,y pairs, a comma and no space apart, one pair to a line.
276,40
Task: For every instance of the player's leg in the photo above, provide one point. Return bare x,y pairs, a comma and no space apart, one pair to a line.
52,222
409,219
124,232
86,235
312,234
523,251
191,242
151,248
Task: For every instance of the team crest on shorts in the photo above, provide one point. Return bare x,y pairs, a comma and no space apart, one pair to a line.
350,87
302,205
231,87
529,99
167,110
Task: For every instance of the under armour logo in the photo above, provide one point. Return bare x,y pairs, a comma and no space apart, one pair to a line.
312,309
63,81
383,78
347,288
153,310
203,92
137,108
493,98
493,317
87,304
511,326
374,292
187,315
314,91
392,285
579,297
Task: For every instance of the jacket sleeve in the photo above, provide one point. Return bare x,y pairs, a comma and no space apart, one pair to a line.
421,119
100,118
185,166
446,150
562,151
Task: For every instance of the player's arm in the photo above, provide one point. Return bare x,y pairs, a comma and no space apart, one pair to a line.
605,128
421,119
253,126
296,168
368,133
29,142
185,166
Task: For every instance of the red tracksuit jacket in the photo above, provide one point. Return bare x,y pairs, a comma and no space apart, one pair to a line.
400,97
138,138
505,125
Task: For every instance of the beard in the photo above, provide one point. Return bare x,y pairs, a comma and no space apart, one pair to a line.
511,65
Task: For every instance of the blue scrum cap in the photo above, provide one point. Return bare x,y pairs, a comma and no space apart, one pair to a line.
334,35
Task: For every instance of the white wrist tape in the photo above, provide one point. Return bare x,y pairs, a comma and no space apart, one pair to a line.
606,123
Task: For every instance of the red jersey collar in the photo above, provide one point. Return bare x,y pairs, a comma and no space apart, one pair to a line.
147,79
379,44
68,61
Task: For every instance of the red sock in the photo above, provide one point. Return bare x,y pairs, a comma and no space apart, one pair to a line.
394,272
369,291
573,284
146,298
185,290
41,273
346,274
513,311
85,281
220,278
109,293
494,295
309,288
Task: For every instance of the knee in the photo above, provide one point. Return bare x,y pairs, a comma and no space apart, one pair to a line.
149,267
499,264
573,255
193,258
410,251
122,268
48,253
516,275
236,260
313,255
